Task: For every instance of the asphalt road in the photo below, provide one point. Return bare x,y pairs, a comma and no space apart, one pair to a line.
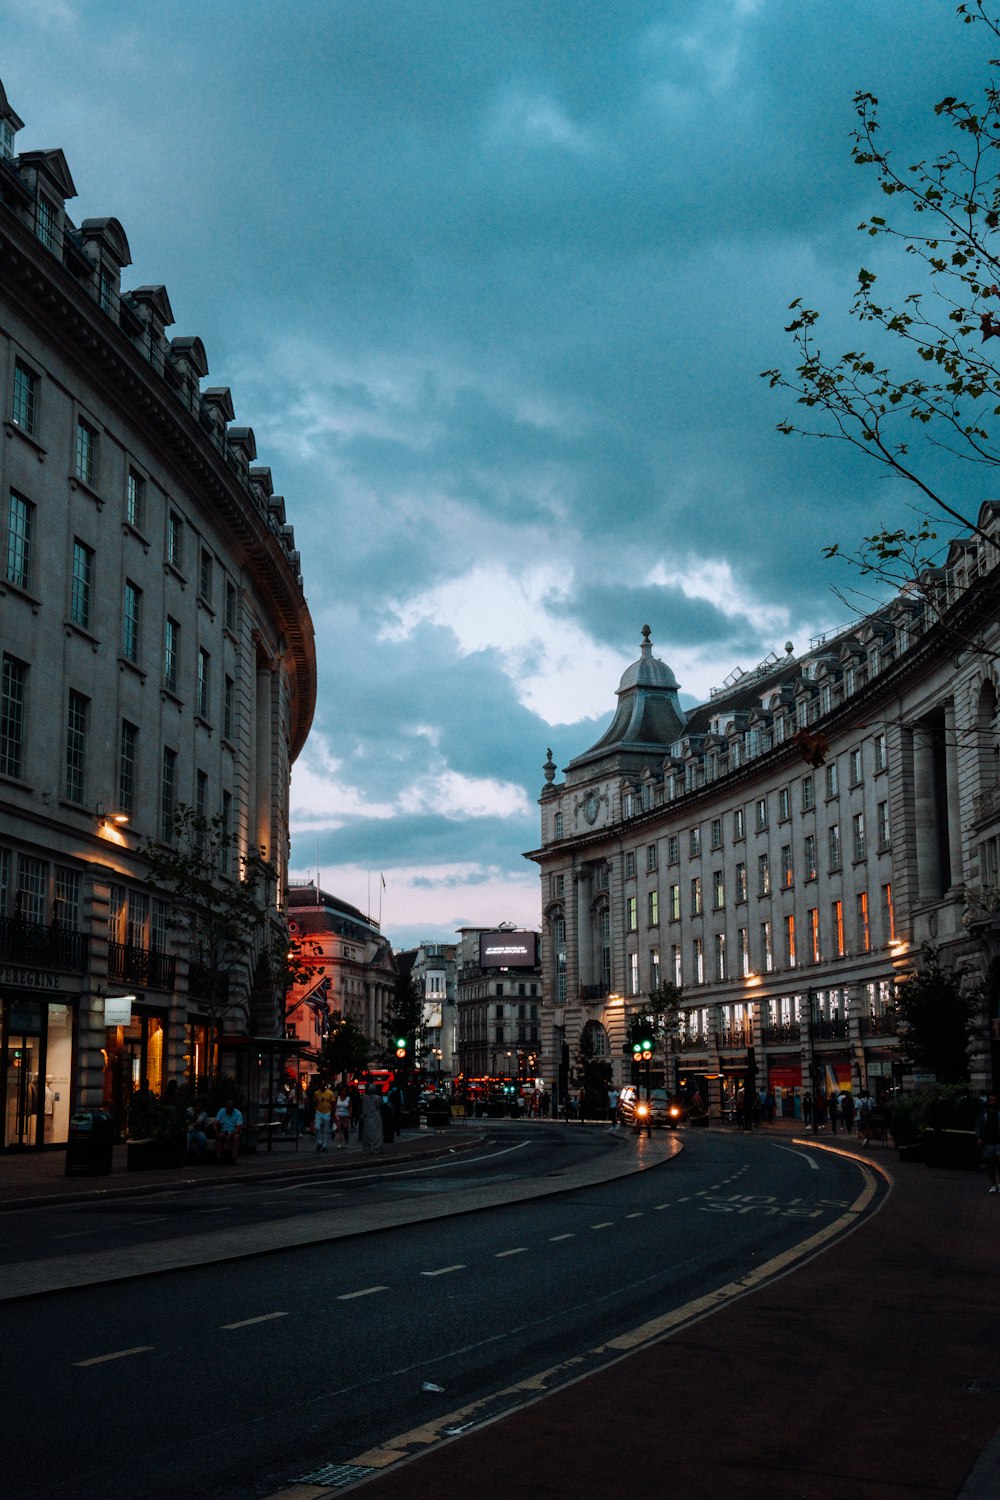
229,1382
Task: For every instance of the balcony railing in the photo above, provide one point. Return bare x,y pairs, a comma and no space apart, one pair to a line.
42,947
130,964
594,991
773,1036
884,1024
694,1041
736,1036
829,1029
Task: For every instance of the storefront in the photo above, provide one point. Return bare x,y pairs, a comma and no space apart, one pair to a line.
134,1055
784,1081
37,1062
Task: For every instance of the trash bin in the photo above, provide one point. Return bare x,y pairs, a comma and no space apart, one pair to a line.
91,1143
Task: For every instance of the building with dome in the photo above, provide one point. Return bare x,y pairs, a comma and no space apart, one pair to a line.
156,652
783,851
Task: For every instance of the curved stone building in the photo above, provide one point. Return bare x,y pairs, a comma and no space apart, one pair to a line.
157,652
783,851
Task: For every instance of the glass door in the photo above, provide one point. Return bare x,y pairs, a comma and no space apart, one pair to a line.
22,1094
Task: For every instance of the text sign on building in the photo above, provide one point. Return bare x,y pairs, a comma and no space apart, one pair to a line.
508,950
118,1011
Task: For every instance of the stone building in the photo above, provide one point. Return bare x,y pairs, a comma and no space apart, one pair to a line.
499,1009
354,967
433,966
157,652
783,851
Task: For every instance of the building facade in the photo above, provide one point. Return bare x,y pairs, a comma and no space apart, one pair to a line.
783,852
434,966
157,653
353,967
498,1013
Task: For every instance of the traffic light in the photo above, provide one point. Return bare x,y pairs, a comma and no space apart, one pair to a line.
401,1048
642,1050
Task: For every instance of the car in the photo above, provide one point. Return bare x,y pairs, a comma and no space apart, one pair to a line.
666,1112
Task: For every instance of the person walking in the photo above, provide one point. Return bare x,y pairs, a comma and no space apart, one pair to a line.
807,1108
613,1106
833,1111
865,1106
371,1121
323,1105
342,1116
847,1110
988,1139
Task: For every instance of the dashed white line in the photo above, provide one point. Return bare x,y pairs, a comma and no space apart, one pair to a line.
365,1291
521,1250
635,1216
102,1359
658,1206
554,1237
443,1270
247,1322
606,1224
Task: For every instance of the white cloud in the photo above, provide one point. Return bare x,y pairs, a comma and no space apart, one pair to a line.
535,119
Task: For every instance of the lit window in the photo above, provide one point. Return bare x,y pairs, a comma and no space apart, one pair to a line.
694,845
719,889
864,932
763,875
699,961
790,941
787,873
675,903
888,915
766,947
654,908
739,826
812,920
696,896
837,911
631,914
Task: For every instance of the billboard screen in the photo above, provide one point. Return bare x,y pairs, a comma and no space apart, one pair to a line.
508,950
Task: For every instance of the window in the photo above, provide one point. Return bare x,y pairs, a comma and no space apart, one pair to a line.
855,766
650,857
812,933
200,809
168,794
631,914
228,700
106,291
557,885
128,741
715,829
696,896
135,499
694,843
784,805
675,903
743,950
698,954
633,973
720,955
629,863
882,824
675,963
205,575
834,846
881,758
837,913
13,687
809,851
673,849
741,881
230,606
24,406
81,600
20,516
86,452
175,539
718,889
832,789
76,747
787,872
790,941
45,221
131,621
763,875
761,814
766,947
32,888
171,637
864,933
204,681
654,968
808,794
858,827
739,824
654,908
888,916
66,906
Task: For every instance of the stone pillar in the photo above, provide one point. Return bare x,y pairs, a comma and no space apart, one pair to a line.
584,929
952,798
94,987
925,810
263,785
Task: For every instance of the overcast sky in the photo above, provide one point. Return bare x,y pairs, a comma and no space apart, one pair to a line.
493,282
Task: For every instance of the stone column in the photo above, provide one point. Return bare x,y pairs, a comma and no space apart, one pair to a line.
952,798
584,929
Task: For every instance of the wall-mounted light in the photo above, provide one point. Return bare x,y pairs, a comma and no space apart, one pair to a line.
113,819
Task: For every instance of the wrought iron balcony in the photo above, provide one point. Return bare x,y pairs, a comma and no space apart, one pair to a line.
594,991
773,1036
42,947
130,964
736,1036
832,1028
694,1041
884,1024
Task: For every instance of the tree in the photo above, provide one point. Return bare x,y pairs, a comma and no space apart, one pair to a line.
345,1048
405,1019
941,391
221,902
658,1019
936,1020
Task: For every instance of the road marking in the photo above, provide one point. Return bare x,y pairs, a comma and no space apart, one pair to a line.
443,1271
521,1250
247,1322
76,1235
635,1216
809,1159
658,1206
102,1359
366,1291
607,1224
554,1237
684,1200
141,1223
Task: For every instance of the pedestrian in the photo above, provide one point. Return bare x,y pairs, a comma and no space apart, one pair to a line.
371,1121
613,1106
394,1099
865,1106
807,1108
197,1130
356,1109
322,1106
847,1110
988,1138
832,1111
342,1116
228,1124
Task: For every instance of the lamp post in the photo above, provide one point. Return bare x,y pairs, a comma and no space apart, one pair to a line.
811,1000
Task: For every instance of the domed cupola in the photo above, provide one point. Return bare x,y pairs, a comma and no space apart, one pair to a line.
648,718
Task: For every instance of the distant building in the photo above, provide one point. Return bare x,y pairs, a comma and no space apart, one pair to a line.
354,968
156,651
782,851
499,1007
433,966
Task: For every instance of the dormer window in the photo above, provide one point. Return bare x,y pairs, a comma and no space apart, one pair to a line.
106,292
